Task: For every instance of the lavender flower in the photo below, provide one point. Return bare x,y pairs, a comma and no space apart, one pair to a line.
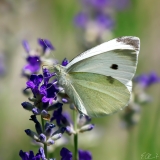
34,58
96,20
131,113
44,95
67,155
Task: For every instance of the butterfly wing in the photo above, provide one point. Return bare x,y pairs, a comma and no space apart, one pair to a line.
97,95
116,58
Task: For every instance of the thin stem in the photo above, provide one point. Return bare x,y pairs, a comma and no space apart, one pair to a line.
75,136
45,145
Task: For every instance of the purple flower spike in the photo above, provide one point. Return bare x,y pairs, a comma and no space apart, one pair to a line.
84,155
65,154
26,46
45,44
81,20
65,62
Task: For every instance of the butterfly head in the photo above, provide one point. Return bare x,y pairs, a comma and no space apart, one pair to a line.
57,68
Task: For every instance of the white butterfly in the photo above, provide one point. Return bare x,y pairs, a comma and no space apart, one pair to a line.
98,81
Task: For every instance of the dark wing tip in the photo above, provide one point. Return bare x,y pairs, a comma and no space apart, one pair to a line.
129,40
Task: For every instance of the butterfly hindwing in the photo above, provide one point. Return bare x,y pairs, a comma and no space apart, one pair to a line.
116,58
97,95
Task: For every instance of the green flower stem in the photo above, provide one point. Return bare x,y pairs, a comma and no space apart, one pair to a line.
75,136
45,145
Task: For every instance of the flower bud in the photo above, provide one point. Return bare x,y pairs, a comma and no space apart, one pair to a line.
87,127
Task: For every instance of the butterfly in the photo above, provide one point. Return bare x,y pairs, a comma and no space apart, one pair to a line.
99,81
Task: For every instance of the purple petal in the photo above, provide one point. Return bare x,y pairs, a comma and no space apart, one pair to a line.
45,99
30,84
45,44
86,155
65,154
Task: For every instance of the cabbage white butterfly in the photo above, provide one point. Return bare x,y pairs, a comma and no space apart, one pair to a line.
98,81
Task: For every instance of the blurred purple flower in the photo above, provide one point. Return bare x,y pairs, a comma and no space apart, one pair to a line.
2,65
145,80
81,19
26,46
67,155
122,4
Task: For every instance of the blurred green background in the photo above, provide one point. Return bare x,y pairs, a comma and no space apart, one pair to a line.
53,20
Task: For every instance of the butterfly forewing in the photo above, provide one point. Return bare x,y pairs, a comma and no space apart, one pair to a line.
116,58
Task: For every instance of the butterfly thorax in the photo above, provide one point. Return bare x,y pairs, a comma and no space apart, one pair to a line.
62,76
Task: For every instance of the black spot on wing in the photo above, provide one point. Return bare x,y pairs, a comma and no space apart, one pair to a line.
114,66
132,41
110,79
